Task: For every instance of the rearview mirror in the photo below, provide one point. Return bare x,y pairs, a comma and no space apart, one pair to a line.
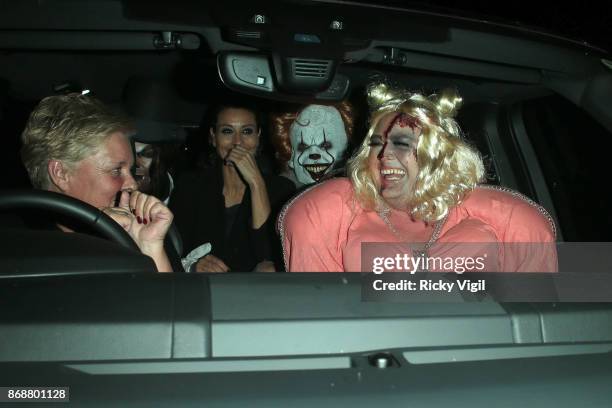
254,74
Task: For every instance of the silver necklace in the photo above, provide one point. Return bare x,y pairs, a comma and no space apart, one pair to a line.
384,215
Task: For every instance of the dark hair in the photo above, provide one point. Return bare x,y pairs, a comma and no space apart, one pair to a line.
209,156
159,183
213,114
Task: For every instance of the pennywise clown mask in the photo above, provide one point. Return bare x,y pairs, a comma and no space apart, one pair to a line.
318,142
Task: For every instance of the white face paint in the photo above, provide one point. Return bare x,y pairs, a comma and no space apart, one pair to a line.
318,142
144,159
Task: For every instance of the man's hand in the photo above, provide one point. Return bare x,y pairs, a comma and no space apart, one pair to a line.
211,263
265,266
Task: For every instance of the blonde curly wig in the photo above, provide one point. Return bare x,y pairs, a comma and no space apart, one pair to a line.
449,168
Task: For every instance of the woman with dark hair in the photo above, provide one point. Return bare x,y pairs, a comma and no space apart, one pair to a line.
230,202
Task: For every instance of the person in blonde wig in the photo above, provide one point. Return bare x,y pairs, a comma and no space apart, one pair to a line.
415,180
448,167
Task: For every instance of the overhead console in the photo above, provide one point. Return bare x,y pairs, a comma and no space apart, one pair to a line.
280,77
297,53
290,65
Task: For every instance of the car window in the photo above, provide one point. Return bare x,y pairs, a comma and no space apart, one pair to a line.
568,145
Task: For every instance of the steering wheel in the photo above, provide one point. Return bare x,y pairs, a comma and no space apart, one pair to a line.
72,208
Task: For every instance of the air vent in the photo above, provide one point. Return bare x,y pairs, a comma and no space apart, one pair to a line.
255,35
311,68
302,74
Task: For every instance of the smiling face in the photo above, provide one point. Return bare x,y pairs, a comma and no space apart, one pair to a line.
318,141
235,127
392,158
98,178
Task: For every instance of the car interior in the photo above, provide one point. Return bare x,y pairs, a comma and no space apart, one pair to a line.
85,310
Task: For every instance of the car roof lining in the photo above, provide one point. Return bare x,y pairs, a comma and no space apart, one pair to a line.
452,46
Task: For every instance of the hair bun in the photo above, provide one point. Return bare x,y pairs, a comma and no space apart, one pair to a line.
448,102
381,95
378,94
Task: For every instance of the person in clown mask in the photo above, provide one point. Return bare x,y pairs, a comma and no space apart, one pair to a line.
415,180
311,143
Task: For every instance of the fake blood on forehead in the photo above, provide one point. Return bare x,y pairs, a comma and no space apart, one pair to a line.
403,120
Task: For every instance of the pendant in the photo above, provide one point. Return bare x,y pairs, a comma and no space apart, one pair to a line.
422,254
